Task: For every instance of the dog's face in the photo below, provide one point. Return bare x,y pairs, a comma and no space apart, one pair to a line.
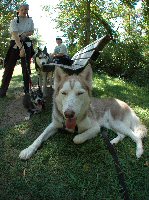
42,57
37,99
72,94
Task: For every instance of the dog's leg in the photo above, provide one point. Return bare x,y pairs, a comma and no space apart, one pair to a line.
40,80
51,78
44,84
28,116
28,152
120,127
119,137
87,135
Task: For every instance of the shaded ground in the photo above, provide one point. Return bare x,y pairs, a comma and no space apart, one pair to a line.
14,110
14,113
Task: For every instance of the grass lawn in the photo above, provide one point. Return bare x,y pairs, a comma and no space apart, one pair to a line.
62,170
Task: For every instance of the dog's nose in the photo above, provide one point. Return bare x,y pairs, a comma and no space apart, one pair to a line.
43,63
69,114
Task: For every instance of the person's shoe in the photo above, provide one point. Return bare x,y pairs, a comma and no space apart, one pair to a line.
2,94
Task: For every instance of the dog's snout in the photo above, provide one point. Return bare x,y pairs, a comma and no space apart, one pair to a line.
39,100
43,63
69,114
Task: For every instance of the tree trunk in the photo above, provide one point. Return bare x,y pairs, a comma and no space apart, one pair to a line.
88,23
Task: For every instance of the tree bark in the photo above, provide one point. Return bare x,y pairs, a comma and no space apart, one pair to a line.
88,23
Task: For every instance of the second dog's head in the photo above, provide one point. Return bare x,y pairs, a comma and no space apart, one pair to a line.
37,99
34,100
42,57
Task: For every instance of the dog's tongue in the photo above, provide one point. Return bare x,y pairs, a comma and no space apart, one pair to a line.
70,123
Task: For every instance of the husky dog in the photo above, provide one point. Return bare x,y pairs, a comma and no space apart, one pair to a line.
42,58
33,102
73,106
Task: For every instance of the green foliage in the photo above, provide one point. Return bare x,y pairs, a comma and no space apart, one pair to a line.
128,57
145,7
8,11
125,60
79,20
129,27
130,3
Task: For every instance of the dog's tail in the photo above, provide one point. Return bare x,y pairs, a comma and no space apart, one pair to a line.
139,129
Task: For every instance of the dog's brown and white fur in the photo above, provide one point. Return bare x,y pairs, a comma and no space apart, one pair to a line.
73,105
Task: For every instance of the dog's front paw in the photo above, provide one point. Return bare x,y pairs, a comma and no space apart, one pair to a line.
27,118
26,153
114,141
78,139
139,152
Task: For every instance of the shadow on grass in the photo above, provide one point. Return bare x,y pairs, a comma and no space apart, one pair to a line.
18,78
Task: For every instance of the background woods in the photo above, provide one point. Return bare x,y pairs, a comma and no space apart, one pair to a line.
127,21
6,14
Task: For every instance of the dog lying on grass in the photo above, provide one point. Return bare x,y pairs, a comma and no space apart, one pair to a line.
33,102
73,106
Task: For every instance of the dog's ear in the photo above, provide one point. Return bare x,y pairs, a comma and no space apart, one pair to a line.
86,74
45,50
58,76
38,49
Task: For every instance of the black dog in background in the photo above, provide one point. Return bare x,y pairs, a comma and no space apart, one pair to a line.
34,102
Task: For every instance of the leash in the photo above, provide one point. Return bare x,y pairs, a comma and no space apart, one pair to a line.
23,63
120,173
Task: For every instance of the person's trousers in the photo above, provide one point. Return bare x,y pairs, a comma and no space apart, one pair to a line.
9,64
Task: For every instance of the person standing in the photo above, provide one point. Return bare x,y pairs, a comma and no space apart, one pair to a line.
21,28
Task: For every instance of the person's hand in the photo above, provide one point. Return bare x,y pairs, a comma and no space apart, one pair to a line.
52,55
23,36
22,52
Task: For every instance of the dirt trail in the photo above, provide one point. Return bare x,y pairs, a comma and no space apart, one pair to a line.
14,113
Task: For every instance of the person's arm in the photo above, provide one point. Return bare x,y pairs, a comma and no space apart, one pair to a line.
27,34
15,35
58,54
17,39
18,43
54,54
